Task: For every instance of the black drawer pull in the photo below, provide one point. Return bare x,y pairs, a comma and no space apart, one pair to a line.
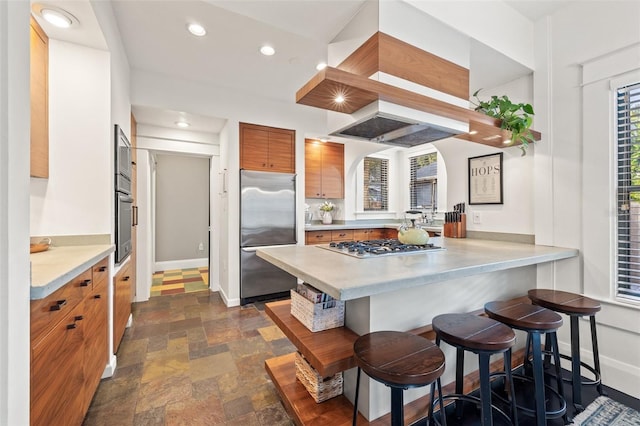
97,296
85,283
102,269
71,326
78,318
126,278
59,304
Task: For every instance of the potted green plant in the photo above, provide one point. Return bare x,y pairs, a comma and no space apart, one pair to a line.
514,117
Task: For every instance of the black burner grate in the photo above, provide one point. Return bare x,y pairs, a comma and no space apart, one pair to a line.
378,247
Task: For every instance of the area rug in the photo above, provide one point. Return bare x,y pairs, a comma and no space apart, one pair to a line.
605,411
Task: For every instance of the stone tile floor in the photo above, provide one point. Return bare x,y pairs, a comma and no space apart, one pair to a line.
190,360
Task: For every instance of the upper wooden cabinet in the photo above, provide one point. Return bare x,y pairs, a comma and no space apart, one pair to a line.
39,101
324,169
267,149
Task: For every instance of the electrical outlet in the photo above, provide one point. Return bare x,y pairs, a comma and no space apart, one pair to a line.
201,246
476,217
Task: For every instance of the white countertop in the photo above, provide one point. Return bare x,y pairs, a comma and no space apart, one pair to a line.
53,268
345,277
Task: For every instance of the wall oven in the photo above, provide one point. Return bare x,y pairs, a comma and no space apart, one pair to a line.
124,223
123,201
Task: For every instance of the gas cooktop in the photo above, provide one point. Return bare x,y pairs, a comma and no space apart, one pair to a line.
375,248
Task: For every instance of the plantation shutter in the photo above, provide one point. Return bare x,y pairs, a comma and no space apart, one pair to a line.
628,144
423,181
376,184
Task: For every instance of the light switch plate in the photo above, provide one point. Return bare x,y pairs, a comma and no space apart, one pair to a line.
476,217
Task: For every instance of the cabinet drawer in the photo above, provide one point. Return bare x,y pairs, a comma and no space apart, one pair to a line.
317,237
101,272
342,235
56,372
48,311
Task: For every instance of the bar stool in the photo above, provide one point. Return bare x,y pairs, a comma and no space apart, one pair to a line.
535,320
484,337
400,361
576,306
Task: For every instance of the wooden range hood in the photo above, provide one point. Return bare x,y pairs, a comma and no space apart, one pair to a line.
383,53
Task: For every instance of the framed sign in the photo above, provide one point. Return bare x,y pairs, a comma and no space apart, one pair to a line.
485,179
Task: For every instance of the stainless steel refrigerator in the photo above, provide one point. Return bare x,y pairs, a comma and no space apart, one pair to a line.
267,218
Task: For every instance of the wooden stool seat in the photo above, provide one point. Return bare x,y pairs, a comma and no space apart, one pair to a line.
401,361
565,302
474,332
575,306
484,337
524,316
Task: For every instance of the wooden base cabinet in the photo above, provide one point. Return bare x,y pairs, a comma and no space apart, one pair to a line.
122,297
69,348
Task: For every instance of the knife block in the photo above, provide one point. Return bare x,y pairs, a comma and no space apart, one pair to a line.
456,229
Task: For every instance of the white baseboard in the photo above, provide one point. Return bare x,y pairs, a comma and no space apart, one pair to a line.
110,369
228,302
615,374
180,264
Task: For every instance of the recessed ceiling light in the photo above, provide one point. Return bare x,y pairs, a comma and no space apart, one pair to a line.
182,124
321,66
339,99
54,15
267,50
197,30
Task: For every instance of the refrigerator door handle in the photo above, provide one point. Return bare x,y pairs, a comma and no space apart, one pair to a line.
252,249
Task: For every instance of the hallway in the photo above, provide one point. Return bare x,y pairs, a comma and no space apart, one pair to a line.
190,360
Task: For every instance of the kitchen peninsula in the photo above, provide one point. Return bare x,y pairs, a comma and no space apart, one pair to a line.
404,292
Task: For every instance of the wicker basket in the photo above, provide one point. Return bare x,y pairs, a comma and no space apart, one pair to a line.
317,316
319,388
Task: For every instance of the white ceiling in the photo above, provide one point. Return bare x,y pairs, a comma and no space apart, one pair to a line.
155,39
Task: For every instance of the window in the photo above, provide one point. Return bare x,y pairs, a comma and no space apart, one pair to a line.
423,183
628,175
376,184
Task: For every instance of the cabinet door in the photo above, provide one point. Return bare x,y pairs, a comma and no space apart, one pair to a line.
282,151
332,170
313,168
57,382
96,339
121,303
39,81
361,234
317,237
377,234
342,235
254,147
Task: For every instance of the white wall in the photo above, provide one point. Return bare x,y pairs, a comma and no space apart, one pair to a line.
574,170
76,198
14,213
182,209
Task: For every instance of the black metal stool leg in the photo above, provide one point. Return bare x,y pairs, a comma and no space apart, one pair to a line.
485,390
596,356
459,380
538,378
511,387
547,351
355,401
556,360
443,414
576,381
397,407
